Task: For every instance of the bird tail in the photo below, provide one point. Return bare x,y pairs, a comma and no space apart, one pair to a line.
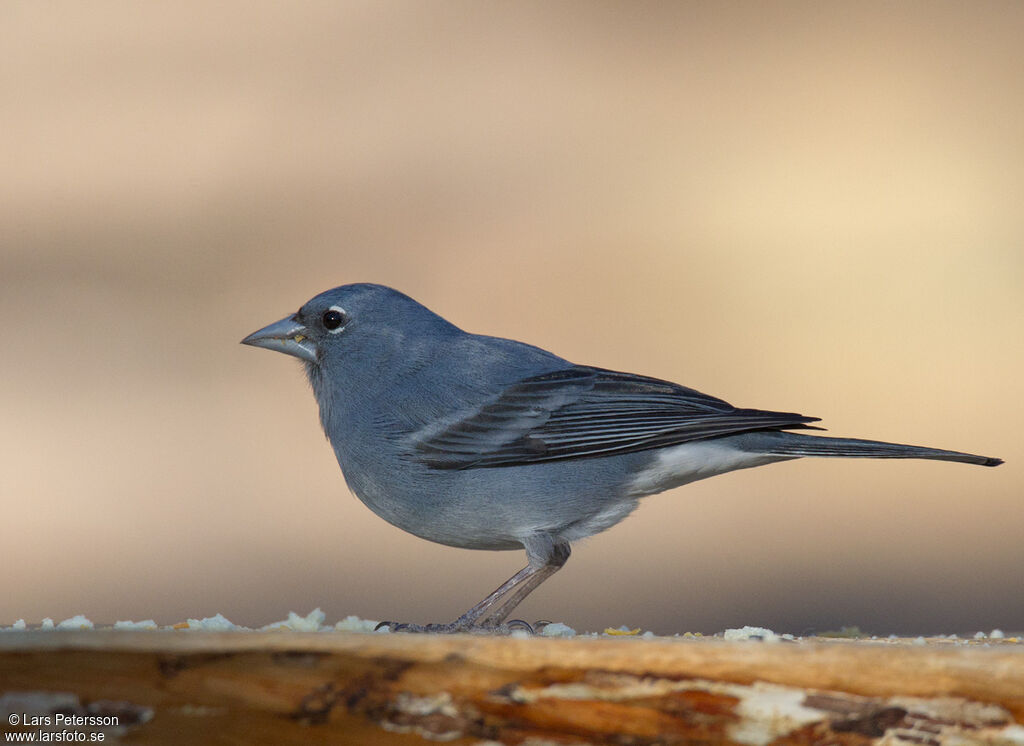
795,444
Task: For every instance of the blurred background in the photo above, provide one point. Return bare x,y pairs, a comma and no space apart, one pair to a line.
798,206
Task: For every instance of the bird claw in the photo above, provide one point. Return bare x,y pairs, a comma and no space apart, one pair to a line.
455,628
514,624
398,627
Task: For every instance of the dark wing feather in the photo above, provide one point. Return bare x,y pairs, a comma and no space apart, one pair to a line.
580,412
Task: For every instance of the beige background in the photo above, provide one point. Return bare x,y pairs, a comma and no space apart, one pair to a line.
801,206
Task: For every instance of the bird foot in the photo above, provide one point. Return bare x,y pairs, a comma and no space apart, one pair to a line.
458,627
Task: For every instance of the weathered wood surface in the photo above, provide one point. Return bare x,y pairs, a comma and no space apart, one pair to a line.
285,688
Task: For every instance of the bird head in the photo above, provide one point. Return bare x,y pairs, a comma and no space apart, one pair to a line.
373,323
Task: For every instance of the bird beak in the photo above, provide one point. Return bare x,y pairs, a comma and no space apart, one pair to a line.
288,336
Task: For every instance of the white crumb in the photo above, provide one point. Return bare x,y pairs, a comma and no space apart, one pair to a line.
996,634
751,633
216,623
309,623
352,623
130,625
621,631
920,641
18,626
75,622
557,629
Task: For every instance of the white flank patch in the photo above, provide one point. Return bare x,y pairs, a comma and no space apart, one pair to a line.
689,462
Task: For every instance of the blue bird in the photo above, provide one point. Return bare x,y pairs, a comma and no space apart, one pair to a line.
487,443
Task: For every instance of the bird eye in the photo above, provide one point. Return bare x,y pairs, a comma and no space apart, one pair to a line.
333,319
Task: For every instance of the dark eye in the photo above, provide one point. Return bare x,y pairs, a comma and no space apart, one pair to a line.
333,319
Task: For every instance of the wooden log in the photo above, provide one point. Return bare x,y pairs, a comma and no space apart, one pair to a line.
285,687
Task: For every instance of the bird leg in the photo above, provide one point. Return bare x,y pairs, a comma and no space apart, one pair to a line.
546,556
522,580
545,559
552,564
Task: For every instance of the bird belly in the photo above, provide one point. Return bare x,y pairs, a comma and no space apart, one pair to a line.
496,508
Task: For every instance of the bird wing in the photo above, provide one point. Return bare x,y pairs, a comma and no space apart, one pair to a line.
582,411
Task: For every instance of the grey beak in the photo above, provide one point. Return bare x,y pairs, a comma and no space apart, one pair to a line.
287,336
